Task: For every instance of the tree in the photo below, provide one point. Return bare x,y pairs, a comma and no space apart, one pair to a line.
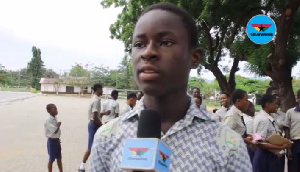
218,22
2,75
79,71
35,68
49,73
277,58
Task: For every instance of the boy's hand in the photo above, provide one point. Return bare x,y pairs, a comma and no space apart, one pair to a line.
287,145
289,154
59,124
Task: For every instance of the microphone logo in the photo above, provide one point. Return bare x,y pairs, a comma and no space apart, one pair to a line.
138,151
163,156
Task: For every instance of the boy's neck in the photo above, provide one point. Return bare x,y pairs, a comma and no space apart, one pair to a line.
52,115
172,107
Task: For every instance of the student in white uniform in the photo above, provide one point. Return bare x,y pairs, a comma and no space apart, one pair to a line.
225,102
130,103
264,124
196,92
292,131
94,117
112,105
279,117
234,117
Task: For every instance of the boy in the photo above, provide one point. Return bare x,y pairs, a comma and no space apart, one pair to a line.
131,101
164,50
52,132
112,105
196,92
198,101
94,117
225,102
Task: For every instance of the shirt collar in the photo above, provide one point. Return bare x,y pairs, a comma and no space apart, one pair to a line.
192,112
96,97
235,109
297,108
264,113
52,117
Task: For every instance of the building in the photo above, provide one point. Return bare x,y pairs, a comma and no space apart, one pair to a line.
66,85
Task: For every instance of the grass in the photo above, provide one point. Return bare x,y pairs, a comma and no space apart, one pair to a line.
15,89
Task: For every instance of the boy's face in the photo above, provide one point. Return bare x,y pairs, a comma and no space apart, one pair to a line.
198,102
196,92
53,110
132,102
161,56
224,100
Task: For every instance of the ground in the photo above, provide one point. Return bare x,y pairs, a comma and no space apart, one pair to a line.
23,143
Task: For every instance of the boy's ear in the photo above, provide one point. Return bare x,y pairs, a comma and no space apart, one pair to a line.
197,57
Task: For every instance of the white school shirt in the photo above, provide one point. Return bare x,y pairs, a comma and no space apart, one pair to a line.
234,121
95,106
51,126
292,121
263,125
111,105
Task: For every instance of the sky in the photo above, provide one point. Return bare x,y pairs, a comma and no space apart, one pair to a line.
67,32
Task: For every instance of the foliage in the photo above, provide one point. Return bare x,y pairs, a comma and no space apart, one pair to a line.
35,68
79,71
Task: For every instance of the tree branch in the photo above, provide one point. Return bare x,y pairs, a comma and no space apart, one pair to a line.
210,41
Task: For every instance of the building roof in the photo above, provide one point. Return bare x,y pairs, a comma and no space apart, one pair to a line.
65,80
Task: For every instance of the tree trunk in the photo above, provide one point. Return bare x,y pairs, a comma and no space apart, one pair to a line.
279,70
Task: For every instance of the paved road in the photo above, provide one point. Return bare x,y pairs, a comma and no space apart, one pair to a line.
8,97
23,143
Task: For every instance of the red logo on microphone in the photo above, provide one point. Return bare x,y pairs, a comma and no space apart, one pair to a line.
163,156
138,151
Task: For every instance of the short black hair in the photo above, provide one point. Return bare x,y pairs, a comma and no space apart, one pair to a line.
187,19
49,106
96,86
237,94
196,88
226,93
131,95
114,92
267,98
270,89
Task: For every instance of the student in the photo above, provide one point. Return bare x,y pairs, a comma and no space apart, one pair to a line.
163,52
292,131
139,95
225,102
264,160
196,92
112,105
279,117
248,115
52,132
94,117
198,101
130,103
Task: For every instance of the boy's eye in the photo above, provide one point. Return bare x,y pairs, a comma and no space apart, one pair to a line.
139,45
167,43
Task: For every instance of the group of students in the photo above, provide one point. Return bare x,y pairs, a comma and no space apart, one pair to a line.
164,50
238,113
97,114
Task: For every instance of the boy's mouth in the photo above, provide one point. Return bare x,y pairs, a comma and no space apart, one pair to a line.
148,73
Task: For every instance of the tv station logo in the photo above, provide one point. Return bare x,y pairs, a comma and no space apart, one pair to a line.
261,29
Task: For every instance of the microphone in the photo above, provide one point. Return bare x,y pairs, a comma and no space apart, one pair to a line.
147,152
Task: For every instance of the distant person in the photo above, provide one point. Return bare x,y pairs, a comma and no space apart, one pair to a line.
139,95
198,101
196,92
225,102
234,116
130,103
52,132
264,124
292,132
111,105
248,115
94,116
279,117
